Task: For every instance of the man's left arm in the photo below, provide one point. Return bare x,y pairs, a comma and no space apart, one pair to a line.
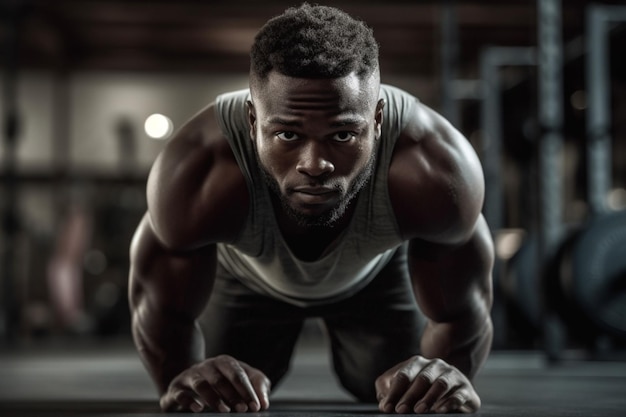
452,285
453,288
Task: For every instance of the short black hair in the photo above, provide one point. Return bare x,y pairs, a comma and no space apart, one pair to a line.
313,41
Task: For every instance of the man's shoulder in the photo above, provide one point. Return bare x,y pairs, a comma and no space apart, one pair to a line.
196,190
200,138
435,179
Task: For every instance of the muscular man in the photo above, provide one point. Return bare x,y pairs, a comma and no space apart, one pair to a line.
318,193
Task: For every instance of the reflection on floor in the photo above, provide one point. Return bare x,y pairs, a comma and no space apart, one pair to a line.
108,379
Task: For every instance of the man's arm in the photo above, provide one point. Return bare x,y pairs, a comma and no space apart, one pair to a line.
437,189
197,197
453,288
452,284
167,292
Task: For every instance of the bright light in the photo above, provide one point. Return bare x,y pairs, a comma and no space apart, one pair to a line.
158,126
617,199
508,242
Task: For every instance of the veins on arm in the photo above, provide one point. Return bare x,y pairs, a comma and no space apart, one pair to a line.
452,285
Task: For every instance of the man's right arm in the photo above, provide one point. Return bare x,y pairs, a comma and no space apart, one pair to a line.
167,292
197,197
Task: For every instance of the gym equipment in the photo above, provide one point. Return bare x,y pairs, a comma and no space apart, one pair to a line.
581,271
491,62
592,275
549,150
593,266
545,293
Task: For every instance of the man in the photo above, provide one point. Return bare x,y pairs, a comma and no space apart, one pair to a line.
317,193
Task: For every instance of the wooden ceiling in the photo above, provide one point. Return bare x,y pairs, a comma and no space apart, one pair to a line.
215,36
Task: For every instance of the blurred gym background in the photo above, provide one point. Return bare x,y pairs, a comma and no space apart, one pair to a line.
92,90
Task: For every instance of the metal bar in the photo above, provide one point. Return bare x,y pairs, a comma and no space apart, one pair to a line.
551,121
449,61
549,153
54,178
599,149
492,59
489,91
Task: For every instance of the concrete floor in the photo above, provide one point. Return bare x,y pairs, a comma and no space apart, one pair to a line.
107,379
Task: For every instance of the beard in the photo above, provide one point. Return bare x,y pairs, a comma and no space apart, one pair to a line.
328,218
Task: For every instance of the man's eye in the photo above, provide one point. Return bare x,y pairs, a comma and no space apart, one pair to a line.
287,136
343,136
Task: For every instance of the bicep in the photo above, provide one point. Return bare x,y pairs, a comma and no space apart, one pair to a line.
452,282
174,185
164,280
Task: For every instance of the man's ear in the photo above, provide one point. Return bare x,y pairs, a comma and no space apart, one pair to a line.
251,119
378,117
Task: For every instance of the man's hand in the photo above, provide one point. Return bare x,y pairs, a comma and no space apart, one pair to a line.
222,384
421,385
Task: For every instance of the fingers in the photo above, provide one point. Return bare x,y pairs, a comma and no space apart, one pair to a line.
432,388
260,384
457,401
214,391
422,386
233,384
178,400
391,389
222,384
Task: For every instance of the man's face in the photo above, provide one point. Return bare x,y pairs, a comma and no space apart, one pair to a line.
315,140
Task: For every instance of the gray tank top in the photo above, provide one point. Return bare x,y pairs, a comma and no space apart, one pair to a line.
261,259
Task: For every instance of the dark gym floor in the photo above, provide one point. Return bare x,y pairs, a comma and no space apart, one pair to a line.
107,379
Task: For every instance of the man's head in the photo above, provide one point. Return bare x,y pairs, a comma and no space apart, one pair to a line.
314,42
315,113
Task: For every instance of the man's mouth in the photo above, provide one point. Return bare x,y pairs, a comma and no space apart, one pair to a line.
314,195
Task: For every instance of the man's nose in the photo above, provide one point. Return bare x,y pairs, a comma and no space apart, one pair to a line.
314,160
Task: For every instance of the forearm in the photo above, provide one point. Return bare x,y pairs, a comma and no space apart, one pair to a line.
465,344
168,290
453,287
166,345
